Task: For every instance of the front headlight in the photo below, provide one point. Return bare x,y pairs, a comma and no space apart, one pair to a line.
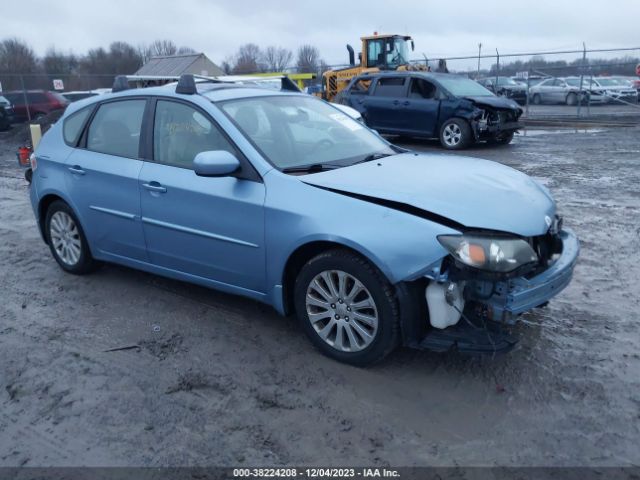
493,254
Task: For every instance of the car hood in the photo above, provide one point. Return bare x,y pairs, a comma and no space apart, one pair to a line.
495,102
468,191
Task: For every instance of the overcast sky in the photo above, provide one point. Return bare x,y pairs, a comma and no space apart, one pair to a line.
218,28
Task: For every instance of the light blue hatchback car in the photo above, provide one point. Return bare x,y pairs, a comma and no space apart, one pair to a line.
280,197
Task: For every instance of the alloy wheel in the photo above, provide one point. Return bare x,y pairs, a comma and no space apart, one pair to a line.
342,311
452,135
65,238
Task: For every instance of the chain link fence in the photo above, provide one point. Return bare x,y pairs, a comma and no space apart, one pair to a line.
548,84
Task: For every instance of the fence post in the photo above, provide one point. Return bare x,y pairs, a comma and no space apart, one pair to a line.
497,68
479,55
26,99
528,87
584,61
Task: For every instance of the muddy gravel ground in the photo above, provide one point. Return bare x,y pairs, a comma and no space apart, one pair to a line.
214,379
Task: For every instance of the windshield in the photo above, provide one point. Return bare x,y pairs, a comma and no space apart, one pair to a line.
506,81
296,131
399,54
463,87
607,82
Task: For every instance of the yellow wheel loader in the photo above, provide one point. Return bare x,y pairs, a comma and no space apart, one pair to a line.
379,52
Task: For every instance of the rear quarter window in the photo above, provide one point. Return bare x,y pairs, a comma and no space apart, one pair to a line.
74,124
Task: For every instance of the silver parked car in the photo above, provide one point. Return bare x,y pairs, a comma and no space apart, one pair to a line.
556,90
595,95
615,89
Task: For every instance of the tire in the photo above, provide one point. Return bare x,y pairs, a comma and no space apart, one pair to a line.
322,317
504,139
536,100
572,99
455,134
28,175
67,240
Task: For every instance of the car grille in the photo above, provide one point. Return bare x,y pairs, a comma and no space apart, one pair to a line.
547,247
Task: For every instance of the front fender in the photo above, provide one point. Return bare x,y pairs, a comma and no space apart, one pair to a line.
403,246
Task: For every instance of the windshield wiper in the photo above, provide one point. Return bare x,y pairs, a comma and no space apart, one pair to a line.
316,167
373,156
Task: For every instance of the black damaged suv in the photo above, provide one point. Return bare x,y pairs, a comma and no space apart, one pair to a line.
452,108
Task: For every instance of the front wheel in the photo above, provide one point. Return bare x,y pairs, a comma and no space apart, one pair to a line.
455,134
347,308
536,100
572,99
501,139
67,241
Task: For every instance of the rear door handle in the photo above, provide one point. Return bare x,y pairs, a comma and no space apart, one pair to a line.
406,103
77,170
155,187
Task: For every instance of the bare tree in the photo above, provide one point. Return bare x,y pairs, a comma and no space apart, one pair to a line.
16,56
247,59
186,50
308,60
277,59
163,48
56,62
227,65
123,58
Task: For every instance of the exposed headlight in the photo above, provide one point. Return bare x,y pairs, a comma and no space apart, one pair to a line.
493,254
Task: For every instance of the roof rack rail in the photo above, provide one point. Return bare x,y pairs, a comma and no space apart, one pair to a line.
120,83
186,85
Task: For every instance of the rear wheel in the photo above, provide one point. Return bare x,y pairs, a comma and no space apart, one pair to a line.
455,134
67,241
347,308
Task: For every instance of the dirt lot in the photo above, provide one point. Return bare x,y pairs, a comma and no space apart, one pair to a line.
220,380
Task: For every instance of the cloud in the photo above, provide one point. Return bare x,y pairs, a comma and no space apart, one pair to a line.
440,28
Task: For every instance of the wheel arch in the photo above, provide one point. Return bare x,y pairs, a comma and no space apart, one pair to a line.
305,252
43,206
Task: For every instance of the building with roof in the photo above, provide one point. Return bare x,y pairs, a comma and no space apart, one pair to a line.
176,65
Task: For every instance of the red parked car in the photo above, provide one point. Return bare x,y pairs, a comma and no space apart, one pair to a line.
38,103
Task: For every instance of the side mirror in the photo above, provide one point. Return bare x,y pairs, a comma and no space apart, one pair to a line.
215,163
413,46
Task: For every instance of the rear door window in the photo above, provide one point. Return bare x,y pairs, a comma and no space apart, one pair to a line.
115,128
361,87
390,87
36,97
422,89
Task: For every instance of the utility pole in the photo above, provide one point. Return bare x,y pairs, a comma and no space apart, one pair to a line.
584,64
479,54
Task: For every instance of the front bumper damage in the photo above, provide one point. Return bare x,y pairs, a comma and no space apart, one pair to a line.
492,124
492,306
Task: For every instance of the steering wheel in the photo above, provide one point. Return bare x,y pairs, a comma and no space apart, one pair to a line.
323,144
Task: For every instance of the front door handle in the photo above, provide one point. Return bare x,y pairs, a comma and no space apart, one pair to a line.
155,187
77,170
406,103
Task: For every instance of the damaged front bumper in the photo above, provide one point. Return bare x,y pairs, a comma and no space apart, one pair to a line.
480,311
515,296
